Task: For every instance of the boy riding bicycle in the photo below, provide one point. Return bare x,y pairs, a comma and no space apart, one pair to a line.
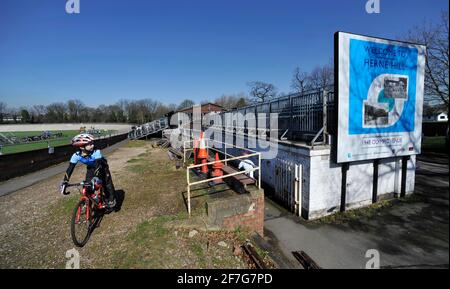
97,166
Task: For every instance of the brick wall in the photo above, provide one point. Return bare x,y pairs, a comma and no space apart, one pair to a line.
246,210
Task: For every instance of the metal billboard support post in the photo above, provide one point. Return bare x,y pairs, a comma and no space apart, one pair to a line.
345,167
404,172
376,162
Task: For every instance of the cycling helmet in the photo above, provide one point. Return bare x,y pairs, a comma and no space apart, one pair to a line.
82,139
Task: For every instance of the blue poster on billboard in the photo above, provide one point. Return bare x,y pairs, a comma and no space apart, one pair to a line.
380,94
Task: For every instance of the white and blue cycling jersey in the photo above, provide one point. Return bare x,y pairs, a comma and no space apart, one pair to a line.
87,160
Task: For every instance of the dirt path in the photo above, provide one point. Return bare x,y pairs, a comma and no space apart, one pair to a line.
33,223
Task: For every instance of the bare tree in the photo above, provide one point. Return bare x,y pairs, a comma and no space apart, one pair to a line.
224,101
142,111
56,112
2,110
230,101
162,110
74,108
172,107
88,114
242,101
25,114
100,113
151,106
262,91
157,110
321,76
186,104
435,37
300,81
132,111
123,104
38,113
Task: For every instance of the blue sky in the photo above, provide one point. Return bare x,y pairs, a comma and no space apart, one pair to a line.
171,50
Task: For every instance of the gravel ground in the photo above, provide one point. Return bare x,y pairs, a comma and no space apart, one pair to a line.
35,222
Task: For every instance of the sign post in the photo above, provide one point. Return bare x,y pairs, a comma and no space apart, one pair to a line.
380,86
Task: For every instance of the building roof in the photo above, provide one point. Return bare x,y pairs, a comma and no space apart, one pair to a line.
205,108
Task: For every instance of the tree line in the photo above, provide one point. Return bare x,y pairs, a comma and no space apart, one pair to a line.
124,111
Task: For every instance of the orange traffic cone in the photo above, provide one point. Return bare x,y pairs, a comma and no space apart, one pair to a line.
217,170
203,155
204,168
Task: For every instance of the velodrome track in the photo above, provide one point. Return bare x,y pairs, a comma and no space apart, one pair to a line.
64,126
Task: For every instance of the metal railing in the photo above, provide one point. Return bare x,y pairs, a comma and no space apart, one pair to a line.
300,116
226,160
149,128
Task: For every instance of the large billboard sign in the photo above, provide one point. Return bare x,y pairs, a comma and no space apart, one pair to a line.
380,86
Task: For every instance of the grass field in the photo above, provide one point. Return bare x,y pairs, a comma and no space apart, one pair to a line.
64,140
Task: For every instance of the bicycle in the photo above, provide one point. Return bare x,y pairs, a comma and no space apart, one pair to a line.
88,212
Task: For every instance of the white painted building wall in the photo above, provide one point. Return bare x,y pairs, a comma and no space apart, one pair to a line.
326,179
322,178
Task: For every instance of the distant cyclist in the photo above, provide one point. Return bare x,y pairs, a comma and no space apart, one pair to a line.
97,166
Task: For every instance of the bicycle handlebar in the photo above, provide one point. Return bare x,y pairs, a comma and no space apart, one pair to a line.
85,184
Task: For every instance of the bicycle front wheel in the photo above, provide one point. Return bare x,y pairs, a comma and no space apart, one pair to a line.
80,228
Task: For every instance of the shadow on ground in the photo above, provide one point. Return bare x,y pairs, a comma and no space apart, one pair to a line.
120,197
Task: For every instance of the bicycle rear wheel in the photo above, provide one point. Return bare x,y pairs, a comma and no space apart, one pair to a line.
81,223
